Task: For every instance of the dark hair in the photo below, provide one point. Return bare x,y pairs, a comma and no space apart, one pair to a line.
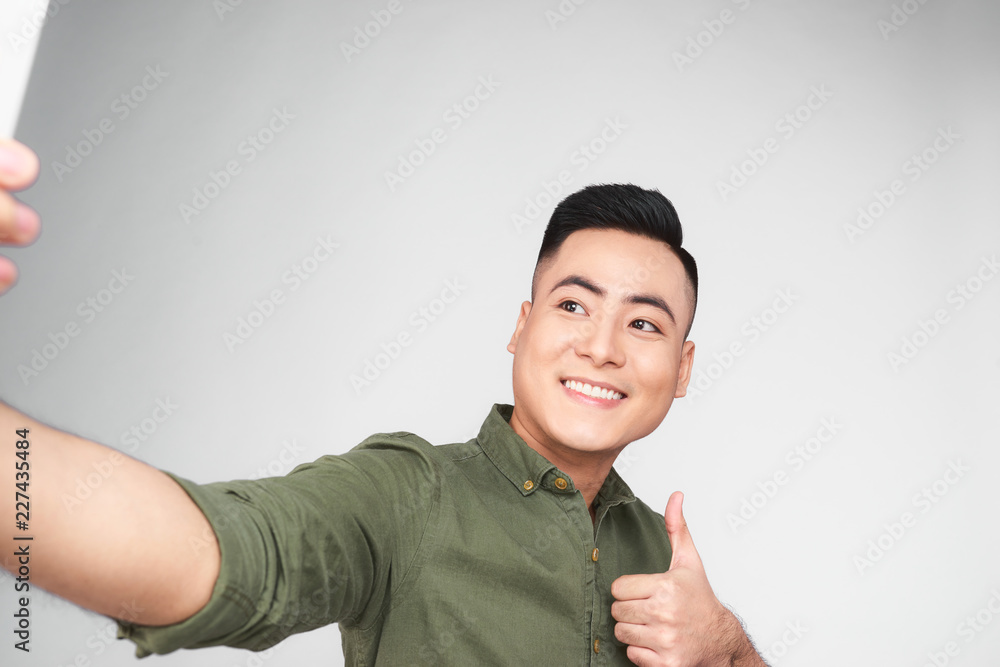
624,207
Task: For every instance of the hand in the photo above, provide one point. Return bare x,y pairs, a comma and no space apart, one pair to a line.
674,619
19,224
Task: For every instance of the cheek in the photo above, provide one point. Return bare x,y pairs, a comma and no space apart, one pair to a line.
549,342
656,371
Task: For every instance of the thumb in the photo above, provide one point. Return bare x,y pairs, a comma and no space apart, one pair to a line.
683,553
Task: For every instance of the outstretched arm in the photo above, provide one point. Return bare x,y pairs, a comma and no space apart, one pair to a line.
125,549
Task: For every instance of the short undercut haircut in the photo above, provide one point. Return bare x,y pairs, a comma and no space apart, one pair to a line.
624,207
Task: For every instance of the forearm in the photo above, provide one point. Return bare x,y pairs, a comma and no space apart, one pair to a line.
110,533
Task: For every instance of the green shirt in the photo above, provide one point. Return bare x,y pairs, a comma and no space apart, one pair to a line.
475,553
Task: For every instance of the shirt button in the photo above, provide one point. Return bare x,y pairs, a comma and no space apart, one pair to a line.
593,554
529,485
561,483
597,646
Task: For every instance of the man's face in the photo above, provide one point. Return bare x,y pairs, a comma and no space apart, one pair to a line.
621,340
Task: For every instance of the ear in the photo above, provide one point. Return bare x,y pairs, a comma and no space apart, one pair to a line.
522,317
684,371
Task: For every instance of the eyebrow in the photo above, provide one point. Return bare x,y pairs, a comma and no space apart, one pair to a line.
647,299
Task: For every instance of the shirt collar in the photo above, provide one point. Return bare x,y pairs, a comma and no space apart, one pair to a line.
521,464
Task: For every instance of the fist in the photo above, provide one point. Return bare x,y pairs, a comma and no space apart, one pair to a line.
19,224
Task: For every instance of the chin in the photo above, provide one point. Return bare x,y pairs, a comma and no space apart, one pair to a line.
585,441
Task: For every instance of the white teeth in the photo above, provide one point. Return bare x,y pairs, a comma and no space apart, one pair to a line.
596,392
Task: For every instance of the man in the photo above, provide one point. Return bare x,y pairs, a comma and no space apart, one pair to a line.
522,544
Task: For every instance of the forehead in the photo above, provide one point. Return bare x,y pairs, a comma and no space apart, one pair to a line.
622,261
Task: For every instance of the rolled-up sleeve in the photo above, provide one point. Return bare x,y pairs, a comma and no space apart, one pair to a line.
326,543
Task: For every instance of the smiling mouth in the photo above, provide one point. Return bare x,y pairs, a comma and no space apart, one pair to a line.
592,390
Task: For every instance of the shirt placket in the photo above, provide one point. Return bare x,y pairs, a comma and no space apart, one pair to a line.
560,485
604,647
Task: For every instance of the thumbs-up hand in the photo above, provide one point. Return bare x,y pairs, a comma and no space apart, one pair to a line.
673,618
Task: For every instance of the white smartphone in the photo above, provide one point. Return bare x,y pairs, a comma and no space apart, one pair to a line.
21,23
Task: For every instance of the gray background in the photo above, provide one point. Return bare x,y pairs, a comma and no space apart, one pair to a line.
285,395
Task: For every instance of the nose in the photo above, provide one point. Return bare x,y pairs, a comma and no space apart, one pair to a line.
599,339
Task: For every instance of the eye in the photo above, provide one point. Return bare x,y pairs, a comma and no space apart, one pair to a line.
568,305
652,327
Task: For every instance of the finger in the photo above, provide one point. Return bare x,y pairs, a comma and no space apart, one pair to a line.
18,165
642,656
19,224
683,553
8,274
633,586
634,634
629,611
